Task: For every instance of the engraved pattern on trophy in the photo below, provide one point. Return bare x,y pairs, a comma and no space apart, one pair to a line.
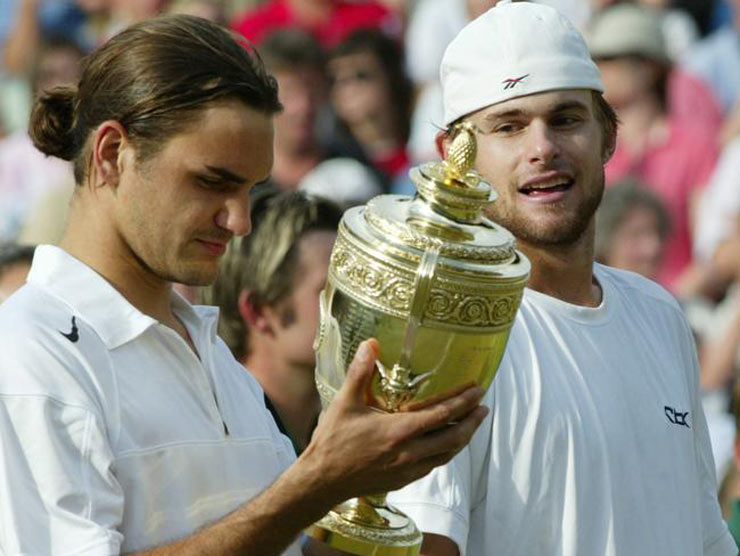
357,324
389,289
375,536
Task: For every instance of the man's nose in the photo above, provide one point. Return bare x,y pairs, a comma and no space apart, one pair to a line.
234,215
542,143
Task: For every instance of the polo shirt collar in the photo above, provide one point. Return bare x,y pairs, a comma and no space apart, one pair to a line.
97,302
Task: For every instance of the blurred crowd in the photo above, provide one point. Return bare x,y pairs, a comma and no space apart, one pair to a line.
359,84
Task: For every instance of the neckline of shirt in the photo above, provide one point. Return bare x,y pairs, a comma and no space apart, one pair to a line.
593,316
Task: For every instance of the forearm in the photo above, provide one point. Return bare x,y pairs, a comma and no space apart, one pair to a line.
23,40
438,545
265,525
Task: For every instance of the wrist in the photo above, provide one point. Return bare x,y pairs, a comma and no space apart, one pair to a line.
312,493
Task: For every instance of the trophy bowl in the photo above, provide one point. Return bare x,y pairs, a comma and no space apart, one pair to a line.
438,285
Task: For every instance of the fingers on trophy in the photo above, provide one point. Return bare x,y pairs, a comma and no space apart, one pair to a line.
438,284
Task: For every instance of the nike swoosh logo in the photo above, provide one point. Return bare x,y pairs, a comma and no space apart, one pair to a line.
72,336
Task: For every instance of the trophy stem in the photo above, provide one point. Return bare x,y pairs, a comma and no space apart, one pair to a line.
368,526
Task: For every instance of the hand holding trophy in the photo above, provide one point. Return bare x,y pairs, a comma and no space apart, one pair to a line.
438,285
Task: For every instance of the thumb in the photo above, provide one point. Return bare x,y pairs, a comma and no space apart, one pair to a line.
360,371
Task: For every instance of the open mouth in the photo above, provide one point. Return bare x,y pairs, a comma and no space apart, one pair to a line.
545,188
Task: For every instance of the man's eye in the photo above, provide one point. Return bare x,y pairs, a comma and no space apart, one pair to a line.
566,121
507,128
212,183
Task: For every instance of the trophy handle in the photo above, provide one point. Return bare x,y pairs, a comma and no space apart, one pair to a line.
399,384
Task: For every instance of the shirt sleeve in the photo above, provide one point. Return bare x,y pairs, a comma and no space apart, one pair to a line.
717,540
59,493
440,502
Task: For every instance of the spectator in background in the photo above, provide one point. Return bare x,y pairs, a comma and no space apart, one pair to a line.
372,95
329,21
719,215
27,175
673,157
15,262
631,229
345,181
680,30
32,20
268,294
716,60
297,61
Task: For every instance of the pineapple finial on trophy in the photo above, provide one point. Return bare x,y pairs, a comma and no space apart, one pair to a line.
462,152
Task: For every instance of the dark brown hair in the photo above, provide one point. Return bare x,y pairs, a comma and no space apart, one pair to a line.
154,78
292,49
608,119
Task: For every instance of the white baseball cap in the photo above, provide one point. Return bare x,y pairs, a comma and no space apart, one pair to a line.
627,29
513,50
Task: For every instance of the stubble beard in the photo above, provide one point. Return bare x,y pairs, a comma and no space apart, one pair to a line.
178,271
567,232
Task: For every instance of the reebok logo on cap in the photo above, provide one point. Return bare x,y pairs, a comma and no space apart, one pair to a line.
512,82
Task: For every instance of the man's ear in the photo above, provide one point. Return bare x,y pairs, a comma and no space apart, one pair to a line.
253,313
442,140
109,143
610,145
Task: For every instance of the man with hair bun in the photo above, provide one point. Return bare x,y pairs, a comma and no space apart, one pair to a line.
126,426
596,443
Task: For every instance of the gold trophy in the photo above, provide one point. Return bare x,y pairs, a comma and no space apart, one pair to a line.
438,285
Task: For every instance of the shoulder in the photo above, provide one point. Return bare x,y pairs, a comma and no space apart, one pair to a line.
48,351
636,286
643,301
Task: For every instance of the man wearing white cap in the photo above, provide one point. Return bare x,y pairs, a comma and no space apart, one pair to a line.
596,443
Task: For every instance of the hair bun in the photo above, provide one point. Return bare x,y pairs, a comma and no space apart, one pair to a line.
52,119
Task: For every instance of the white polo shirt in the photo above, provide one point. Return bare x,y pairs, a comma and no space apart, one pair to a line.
114,435
596,443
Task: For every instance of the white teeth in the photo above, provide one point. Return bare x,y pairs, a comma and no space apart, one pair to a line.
547,184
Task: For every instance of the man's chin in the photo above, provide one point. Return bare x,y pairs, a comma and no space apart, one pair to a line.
194,277
560,233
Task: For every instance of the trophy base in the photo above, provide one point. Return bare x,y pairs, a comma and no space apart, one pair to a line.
362,527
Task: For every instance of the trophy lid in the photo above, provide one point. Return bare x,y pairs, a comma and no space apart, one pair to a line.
447,214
